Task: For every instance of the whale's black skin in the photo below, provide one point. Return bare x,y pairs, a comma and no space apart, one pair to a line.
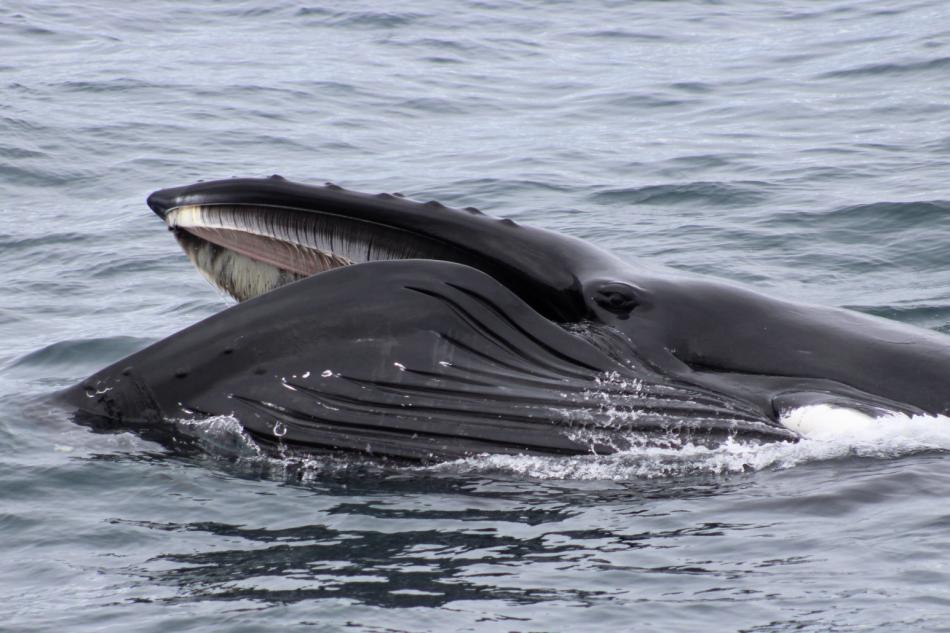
450,332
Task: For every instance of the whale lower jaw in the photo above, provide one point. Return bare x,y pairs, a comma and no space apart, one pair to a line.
417,359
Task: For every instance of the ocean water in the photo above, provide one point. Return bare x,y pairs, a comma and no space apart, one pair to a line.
801,147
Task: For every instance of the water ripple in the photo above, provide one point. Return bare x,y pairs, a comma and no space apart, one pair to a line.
715,193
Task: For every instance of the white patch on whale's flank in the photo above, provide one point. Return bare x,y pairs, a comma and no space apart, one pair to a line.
890,435
824,421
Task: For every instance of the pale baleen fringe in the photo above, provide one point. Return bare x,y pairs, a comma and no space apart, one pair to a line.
241,277
333,236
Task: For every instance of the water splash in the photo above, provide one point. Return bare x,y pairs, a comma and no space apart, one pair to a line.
221,436
227,444
827,433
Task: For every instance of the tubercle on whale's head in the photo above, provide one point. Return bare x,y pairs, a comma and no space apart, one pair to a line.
234,230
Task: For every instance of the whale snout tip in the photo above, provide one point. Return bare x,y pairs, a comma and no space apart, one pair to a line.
160,202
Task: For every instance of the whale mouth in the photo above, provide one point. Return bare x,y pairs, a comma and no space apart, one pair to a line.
250,236
248,231
248,250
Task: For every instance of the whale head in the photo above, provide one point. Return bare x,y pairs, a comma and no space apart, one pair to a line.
249,236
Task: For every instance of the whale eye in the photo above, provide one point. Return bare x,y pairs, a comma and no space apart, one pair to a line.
616,297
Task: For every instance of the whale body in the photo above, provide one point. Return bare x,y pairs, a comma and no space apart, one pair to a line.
382,325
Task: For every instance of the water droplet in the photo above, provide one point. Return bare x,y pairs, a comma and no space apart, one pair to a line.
326,373
399,366
279,429
306,375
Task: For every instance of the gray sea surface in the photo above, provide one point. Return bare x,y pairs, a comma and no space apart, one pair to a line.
802,147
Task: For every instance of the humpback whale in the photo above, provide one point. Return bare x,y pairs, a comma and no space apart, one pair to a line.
392,327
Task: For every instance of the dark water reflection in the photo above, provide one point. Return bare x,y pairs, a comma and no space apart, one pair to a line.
431,541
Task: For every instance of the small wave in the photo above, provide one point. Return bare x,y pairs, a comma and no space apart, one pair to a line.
695,87
876,218
20,153
630,101
892,215
940,64
12,243
623,34
117,84
430,105
931,316
715,193
443,45
360,19
28,176
9,316
77,352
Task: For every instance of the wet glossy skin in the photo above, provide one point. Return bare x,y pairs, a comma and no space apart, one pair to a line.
727,352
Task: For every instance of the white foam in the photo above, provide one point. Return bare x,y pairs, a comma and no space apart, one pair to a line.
224,440
824,421
827,433
221,436
886,436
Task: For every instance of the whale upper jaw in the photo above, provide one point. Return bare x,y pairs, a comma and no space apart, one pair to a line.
249,236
